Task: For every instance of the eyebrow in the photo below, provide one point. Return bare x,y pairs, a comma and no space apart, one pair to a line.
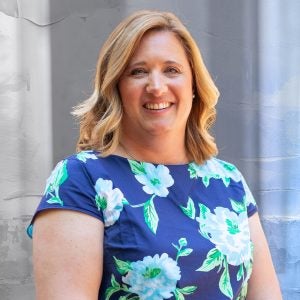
143,63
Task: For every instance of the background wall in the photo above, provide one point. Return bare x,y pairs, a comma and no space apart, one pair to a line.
48,52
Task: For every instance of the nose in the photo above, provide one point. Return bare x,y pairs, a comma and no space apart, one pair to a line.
156,84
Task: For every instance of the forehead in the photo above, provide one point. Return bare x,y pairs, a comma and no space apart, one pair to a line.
160,44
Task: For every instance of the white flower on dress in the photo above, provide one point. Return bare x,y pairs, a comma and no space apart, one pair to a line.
153,278
230,233
215,168
85,155
156,180
109,200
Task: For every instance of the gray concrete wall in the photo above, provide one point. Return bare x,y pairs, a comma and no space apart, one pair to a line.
48,51
26,142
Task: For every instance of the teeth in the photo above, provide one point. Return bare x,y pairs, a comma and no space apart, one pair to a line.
157,106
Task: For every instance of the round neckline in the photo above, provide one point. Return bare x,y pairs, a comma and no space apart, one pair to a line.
156,164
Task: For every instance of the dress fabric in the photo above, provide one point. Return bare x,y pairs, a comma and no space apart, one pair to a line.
171,231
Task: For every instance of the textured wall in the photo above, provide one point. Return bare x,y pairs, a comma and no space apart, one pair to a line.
278,97
26,144
47,56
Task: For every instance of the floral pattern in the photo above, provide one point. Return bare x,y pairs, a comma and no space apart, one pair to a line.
156,181
216,169
141,221
58,176
229,232
109,200
153,278
85,155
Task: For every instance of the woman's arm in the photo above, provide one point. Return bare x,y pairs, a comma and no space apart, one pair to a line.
263,284
67,255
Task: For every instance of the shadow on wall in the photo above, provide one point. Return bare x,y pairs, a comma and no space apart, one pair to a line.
76,37
232,57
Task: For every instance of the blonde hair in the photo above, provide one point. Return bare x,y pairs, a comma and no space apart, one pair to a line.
100,115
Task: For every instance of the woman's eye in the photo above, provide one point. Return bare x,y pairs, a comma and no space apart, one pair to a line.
172,70
137,72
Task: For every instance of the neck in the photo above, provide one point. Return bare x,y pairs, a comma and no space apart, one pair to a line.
155,150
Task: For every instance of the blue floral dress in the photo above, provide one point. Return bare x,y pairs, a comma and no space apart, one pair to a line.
171,231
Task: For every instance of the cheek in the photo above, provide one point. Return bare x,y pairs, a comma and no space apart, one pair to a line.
185,84
130,91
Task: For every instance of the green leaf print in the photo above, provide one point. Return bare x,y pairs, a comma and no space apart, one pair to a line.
180,251
203,216
178,295
58,176
232,227
110,291
182,242
243,294
203,210
151,272
248,266
184,291
115,287
226,181
188,290
237,206
205,180
240,273
185,252
189,210
100,202
61,175
150,215
123,267
224,283
213,259
193,171
136,167
128,297
114,283
229,167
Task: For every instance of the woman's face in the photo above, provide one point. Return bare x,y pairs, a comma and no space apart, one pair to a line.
156,87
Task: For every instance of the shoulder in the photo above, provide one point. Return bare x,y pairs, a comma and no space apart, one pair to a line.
216,168
82,156
78,159
72,165
230,171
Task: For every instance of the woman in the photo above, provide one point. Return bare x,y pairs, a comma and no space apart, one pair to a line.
144,210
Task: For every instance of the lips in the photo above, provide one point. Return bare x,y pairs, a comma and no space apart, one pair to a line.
157,106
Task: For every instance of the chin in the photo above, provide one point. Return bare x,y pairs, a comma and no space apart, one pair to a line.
158,130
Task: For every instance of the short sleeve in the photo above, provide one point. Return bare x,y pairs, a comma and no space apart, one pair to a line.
69,187
249,199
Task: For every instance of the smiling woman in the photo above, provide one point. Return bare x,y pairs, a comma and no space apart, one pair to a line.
144,210
156,91
158,48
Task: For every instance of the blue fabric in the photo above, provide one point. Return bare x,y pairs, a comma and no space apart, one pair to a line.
171,231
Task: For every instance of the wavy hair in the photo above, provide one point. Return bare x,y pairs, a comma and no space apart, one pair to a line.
100,115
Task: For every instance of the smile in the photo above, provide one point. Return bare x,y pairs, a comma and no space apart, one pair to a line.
157,106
